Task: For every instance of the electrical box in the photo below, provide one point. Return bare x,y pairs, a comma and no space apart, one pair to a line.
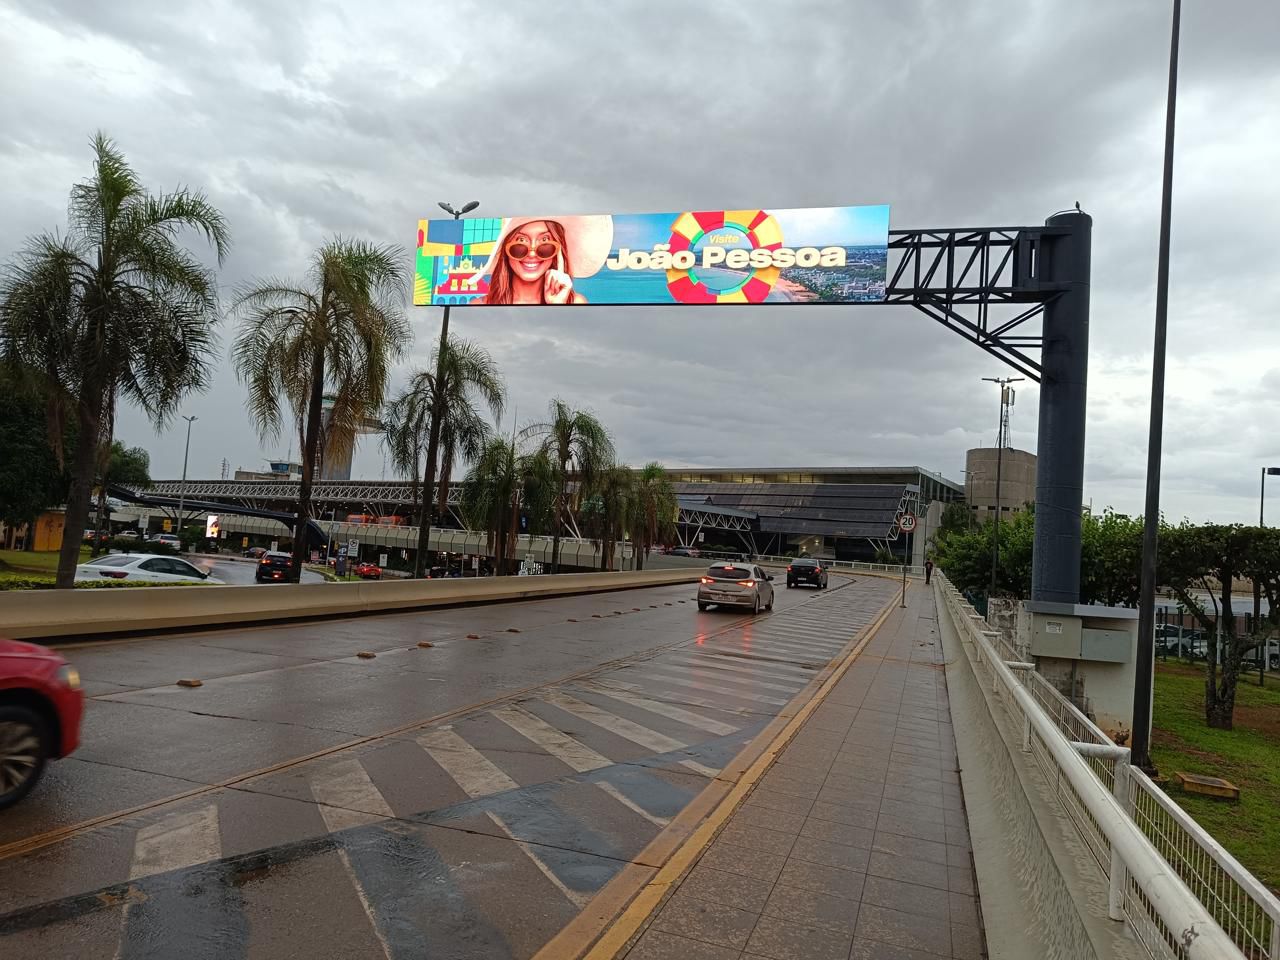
1055,636
1110,646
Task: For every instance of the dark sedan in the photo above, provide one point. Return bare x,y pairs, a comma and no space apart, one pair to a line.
806,571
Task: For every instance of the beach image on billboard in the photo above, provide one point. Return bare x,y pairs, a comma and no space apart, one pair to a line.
810,255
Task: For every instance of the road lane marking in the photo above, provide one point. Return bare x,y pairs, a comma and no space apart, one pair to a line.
177,841
649,739
347,797
630,804
557,743
471,770
774,669
691,698
579,900
748,676
687,717
696,681
701,769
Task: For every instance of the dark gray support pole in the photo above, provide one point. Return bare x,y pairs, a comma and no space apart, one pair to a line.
1064,359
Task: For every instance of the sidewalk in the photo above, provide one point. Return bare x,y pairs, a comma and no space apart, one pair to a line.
854,844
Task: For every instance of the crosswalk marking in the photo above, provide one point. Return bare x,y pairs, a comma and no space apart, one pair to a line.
649,739
560,745
630,804
700,768
470,769
750,677
786,672
177,841
347,797
825,647
577,899
687,717
693,698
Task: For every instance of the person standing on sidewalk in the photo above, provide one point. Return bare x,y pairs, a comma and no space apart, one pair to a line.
928,570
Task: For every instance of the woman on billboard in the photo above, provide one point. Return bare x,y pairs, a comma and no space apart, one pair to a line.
534,261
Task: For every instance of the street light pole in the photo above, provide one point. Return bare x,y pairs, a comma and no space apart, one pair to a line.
1257,584
1000,442
182,489
437,404
1144,669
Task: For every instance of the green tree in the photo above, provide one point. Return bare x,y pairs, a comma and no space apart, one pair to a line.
115,307
1110,559
501,483
32,478
337,336
127,466
456,383
613,502
1199,564
656,509
576,443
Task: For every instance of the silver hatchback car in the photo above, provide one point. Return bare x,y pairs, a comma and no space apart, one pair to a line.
728,584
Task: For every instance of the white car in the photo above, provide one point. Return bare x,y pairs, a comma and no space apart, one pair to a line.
168,539
728,584
142,567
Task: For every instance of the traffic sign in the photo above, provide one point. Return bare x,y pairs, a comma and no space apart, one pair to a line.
907,522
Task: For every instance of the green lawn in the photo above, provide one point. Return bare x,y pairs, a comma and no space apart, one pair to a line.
32,562
1248,756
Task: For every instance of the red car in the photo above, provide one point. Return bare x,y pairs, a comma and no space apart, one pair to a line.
367,571
40,708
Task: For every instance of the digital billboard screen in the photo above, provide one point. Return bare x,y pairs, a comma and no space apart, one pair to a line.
810,255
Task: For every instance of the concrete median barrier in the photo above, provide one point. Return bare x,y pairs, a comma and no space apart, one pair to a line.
48,614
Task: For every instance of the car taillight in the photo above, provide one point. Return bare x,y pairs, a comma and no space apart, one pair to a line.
746,583
114,574
705,580
266,562
788,568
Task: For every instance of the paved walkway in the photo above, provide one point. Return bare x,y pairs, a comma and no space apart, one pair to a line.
854,844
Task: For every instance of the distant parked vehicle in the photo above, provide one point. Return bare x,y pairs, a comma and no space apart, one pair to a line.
367,571
392,521
127,535
361,518
142,567
255,552
168,539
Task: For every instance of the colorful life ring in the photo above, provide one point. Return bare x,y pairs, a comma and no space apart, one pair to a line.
760,229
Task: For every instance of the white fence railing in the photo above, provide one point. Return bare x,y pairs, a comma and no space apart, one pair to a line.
855,565
1182,895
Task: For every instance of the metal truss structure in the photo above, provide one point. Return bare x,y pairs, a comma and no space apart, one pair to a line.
958,276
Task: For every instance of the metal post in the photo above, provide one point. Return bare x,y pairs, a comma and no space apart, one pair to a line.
182,488
1257,584
1145,672
995,530
1065,263
904,582
1120,790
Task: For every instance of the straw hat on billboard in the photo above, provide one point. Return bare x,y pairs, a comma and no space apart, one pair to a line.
588,241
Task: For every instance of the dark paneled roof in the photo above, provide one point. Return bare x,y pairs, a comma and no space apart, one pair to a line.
819,509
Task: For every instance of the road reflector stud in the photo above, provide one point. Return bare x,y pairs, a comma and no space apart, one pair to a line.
512,630
473,636
596,615
191,683
635,609
425,644
366,654
572,620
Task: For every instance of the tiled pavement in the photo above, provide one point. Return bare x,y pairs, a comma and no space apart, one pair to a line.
854,844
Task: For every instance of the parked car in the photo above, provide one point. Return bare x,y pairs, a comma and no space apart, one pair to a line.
367,571
736,585
168,539
255,552
40,708
127,535
145,567
103,537
807,571
685,552
273,567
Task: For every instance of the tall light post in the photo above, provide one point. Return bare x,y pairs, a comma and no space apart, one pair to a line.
1257,585
1144,672
437,402
1005,400
182,489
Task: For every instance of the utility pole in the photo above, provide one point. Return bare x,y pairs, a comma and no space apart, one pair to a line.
1144,672
1257,584
1002,438
182,489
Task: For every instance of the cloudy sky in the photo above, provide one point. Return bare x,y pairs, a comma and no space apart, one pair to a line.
305,120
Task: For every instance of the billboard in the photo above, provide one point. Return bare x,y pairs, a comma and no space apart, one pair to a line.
810,255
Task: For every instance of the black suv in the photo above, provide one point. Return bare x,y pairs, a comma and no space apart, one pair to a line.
807,571
273,567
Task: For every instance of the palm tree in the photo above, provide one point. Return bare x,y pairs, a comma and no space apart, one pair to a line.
576,443
333,338
130,466
656,509
115,307
457,381
501,483
610,508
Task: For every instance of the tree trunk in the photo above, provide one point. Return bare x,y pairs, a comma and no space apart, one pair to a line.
104,513
428,485
555,530
639,544
83,471
310,444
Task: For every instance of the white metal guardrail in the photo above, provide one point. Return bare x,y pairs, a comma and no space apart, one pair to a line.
894,568
1182,895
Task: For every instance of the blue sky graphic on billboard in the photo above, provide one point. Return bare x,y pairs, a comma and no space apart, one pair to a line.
811,255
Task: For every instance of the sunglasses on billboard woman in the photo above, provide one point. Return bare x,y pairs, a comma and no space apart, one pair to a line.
519,249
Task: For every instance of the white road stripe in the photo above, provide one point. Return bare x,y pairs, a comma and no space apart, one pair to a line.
687,717
557,743
697,701
709,772
786,672
347,797
470,769
649,739
177,841
728,673
630,804
363,897
577,899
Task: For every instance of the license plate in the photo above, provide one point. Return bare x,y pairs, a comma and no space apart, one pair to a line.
723,596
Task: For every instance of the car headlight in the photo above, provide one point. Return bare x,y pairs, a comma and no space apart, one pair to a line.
70,676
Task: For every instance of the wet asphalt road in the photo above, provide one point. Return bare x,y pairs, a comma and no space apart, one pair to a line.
241,571
466,799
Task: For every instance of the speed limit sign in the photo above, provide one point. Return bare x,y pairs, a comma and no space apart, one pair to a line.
907,522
